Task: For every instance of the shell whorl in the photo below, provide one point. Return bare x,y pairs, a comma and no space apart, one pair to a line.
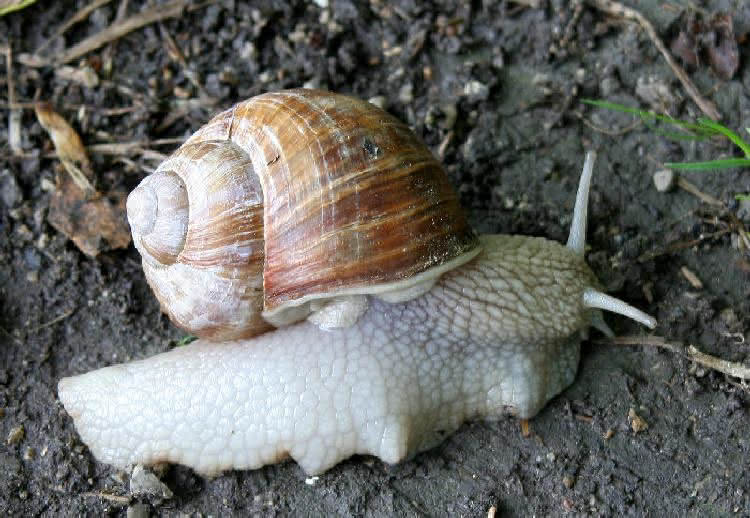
333,196
198,223
158,216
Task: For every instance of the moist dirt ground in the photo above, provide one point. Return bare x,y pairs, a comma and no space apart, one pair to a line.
495,89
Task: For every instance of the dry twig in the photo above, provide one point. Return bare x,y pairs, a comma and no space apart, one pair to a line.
14,117
115,31
617,9
117,499
690,352
80,15
693,189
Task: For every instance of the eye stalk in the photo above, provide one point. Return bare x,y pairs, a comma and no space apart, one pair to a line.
577,242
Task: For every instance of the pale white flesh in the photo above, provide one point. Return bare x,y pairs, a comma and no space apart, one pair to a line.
498,335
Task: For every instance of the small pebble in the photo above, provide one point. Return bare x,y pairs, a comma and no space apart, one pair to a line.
15,435
10,192
47,185
476,91
406,93
637,423
664,180
568,481
143,482
729,317
693,279
24,233
580,75
29,453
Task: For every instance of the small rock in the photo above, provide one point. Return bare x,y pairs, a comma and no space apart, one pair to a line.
693,279
265,77
143,482
729,317
28,454
609,86
637,423
476,91
656,92
10,192
568,481
24,233
664,180
580,75
406,93
15,435
119,477
310,481
138,511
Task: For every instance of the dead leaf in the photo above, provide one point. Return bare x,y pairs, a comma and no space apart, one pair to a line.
92,224
721,46
68,145
92,221
712,42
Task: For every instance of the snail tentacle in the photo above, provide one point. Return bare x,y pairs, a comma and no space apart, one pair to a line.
596,299
577,237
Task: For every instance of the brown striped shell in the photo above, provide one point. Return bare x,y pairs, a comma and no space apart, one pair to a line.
291,202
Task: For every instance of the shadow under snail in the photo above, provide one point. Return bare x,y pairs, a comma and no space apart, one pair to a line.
327,218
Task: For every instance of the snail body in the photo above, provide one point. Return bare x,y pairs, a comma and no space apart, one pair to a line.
376,361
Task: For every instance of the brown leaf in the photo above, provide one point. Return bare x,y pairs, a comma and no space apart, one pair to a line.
721,46
92,224
77,209
685,48
68,145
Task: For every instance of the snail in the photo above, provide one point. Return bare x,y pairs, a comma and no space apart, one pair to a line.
319,240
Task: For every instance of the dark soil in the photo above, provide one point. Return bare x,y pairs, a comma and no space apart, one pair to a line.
480,78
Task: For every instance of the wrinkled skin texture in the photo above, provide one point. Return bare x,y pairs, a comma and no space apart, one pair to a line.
498,335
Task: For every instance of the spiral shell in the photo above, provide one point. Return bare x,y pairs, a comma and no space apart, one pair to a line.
289,201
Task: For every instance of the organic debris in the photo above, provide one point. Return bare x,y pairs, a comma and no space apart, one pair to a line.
77,209
711,41
617,9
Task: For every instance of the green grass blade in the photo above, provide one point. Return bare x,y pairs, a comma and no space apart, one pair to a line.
731,135
711,164
648,115
186,340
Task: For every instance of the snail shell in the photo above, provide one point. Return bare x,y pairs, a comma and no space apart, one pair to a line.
292,203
